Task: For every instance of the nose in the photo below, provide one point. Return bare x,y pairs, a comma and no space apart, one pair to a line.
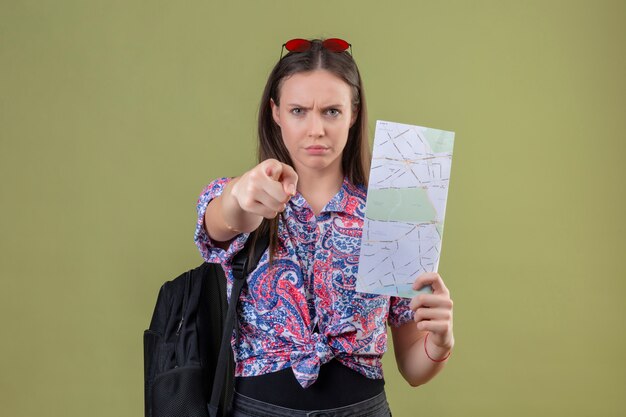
316,125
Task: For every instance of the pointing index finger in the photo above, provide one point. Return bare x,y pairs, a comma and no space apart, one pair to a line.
274,170
289,180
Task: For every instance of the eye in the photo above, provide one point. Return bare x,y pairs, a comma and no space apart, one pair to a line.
333,112
296,111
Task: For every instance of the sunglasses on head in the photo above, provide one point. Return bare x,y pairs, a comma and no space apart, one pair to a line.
303,45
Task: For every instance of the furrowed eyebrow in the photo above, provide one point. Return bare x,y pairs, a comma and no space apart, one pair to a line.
332,106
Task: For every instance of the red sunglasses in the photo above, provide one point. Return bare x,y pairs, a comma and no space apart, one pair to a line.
303,45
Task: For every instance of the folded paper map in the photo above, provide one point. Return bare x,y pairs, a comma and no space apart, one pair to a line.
405,209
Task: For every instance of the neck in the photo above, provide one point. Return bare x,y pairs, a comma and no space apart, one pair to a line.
318,188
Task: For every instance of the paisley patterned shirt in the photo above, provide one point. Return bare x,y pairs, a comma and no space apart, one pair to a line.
306,311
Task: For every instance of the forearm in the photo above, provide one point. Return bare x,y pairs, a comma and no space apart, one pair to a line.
415,365
224,218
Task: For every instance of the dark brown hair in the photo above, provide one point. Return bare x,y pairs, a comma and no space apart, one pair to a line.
356,155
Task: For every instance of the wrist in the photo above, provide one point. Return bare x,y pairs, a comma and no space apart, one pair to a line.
435,352
234,217
230,207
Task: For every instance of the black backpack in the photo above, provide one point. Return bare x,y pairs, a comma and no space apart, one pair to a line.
187,352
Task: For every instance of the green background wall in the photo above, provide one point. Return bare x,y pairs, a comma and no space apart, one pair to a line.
115,114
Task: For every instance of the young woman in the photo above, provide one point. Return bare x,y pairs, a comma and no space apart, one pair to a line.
306,340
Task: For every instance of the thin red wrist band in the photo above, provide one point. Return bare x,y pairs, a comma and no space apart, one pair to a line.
429,357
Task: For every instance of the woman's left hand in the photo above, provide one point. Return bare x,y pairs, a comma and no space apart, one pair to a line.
433,312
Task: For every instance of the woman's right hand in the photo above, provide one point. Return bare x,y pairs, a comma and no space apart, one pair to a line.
260,193
266,188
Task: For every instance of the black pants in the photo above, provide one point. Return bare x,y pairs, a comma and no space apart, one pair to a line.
248,407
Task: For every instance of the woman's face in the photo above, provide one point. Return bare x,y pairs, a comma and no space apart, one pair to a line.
315,115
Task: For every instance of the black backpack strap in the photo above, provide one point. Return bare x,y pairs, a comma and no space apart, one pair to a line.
241,269
180,354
